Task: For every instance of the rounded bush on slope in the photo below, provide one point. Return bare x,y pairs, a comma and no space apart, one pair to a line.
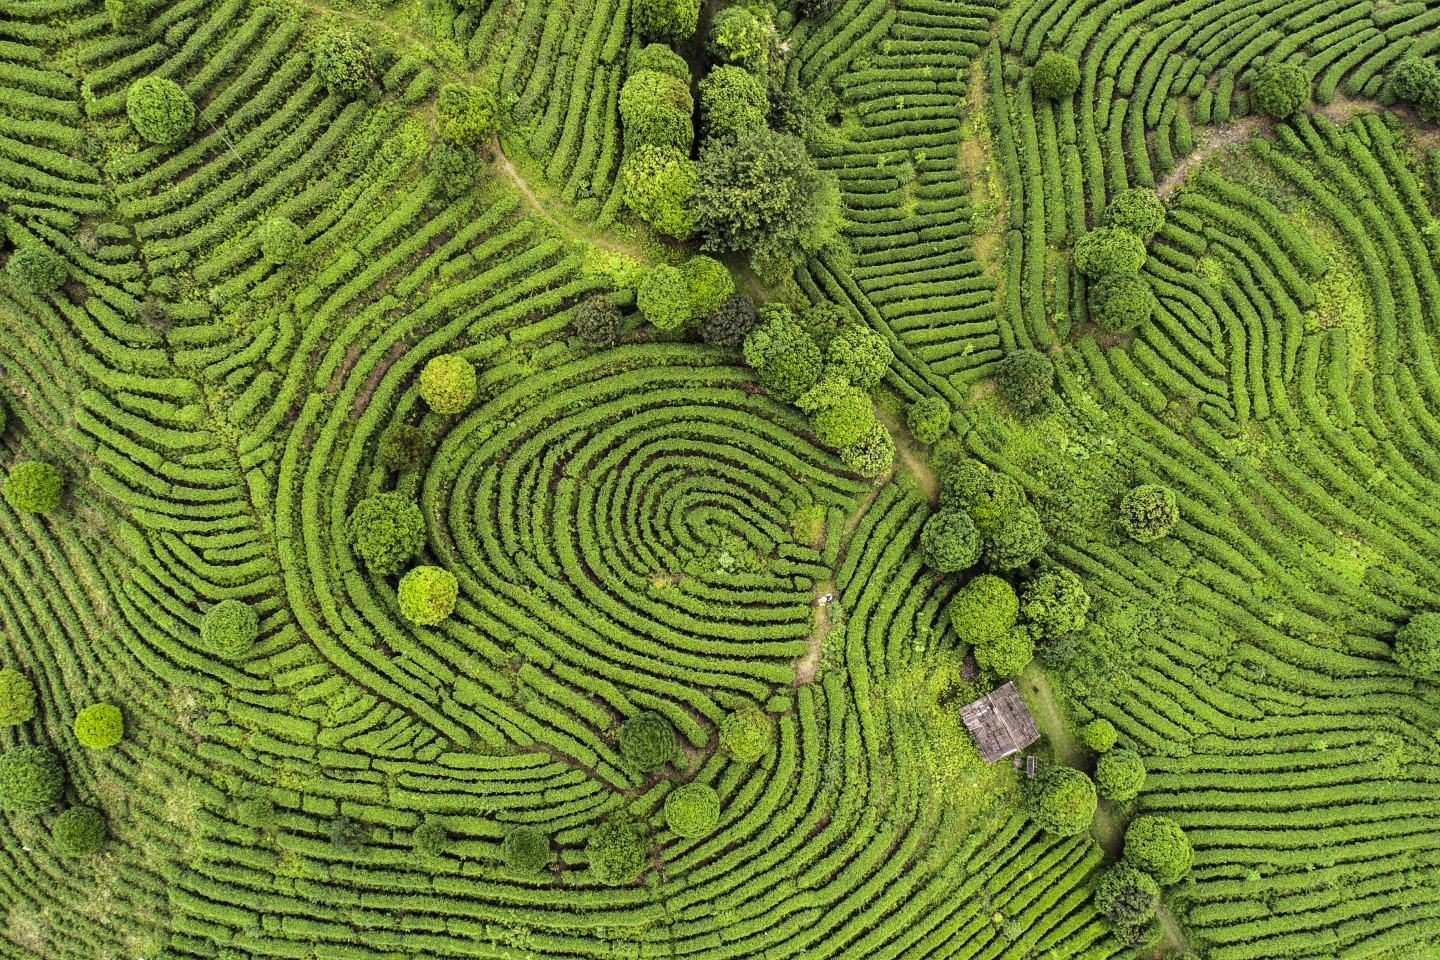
617,851
403,446
663,298
984,610
692,810
1098,735
1149,512
280,240
1107,250
647,741
1055,76
671,21
427,595
659,185
1158,846
160,110
33,487
661,58
656,109
342,61
841,415
429,839
1062,801
465,114
1280,89
1026,381
229,629
949,541
1017,540
928,418
1056,602
99,726
872,455
1120,775
31,779
1137,210
35,268
732,101
745,734
1121,301
857,354
1007,656
1125,896
742,35
447,384
708,282
1417,646
17,698
730,322
526,849
597,321
78,832
386,530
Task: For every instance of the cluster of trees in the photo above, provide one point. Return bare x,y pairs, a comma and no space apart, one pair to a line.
1111,255
1149,512
1157,854
1280,89
1416,80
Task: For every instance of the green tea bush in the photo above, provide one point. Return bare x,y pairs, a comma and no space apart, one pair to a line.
1417,646
647,741
35,268
78,832
32,779
708,282
659,57
1061,800
1125,896
427,595
745,734
1055,601
732,101
33,487
1107,250
1007,655
742,35
1137,210
1098,735
692,810
671,21
617,851
1121,301
728,324
454,167
663,297
1149,512
526,849
343,63
873,455
159,109
1015,541
928,418
659,185
346,835
656,109
280,240
429,839
984,610
447,384
386,531
99,726
1158,846
840,414
1120,775
229,629
465,114
1280,89
1416,80
1055,76
17,698
597,321
1026,381
857,354
402,446
949,541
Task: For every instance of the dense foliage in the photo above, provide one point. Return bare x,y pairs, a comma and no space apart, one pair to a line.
33,487
99,726
1062,801
692,810
386,531
17,697
78,832
647,741
229,629
32,779
1280,89
160,110
427,595
447,384
36,269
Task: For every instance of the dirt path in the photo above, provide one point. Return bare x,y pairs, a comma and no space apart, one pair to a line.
809,665
916,464
1219,138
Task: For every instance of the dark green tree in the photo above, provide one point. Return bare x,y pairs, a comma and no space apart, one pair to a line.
386,531
647,741
159,109
1056,76
1061,800
1280,89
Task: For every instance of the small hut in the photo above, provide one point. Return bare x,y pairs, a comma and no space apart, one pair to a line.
1000,723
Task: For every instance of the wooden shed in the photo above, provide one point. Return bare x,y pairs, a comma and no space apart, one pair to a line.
1000,723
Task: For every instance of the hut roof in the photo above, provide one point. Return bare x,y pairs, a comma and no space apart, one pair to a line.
1000,723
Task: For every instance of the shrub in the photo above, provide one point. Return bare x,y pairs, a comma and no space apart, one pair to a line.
342,61
1149,512
732,101
656,109
708,282
692,810
822,320
617,851
1098,735
1026,381
454,167
728,325
1056,602
447,384
161,112
818,8
1416,80
31,779
99,726
1120,775
1007,656
526,849
873,455
745,734
465,114
1062,801
597,321
983,610
1125,896
35,268
742,35
1055,76
33,487
1107,250
1280,89
669,20
17,698
429,839
280,240
776,333
256,812
647,741
402,446
858,354
928,418
949,541
661,58
1417,646
1121,301
427,595
792,374
1137,210
1158,846
346,835
664,298
840,414
386,530
229,629
126,16
78,832
1016,540
659,185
